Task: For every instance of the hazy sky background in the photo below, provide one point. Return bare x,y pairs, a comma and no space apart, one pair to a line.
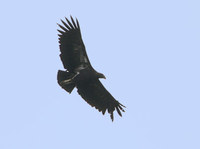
149,50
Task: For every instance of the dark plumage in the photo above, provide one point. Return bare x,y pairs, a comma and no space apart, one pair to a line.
80,73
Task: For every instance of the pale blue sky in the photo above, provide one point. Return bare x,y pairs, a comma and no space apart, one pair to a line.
148,50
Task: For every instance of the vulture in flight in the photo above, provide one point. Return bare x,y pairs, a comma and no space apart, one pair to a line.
79,72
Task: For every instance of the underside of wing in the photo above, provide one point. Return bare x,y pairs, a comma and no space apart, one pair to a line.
97,96
73,54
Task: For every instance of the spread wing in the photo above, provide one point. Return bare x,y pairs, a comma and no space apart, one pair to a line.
95,94
73,54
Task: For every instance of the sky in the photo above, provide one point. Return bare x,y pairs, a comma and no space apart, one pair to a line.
149,52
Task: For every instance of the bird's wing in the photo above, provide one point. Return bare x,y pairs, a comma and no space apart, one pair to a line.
95,94
73,54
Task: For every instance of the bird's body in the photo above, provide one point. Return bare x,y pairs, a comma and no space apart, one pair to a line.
80,73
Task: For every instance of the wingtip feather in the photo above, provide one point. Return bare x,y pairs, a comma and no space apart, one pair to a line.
78,26
70,24
60,31
62,28
118,111
103,111
73,22
112,117
65,24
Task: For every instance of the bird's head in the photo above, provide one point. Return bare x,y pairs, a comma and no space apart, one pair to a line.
101,75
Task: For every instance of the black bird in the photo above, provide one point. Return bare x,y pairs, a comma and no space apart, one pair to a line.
80,73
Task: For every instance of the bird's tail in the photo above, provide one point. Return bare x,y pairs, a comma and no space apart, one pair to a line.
61,77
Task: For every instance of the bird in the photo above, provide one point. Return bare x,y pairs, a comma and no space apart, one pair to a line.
79,72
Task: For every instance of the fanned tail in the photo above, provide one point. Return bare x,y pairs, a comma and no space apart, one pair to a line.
64,75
